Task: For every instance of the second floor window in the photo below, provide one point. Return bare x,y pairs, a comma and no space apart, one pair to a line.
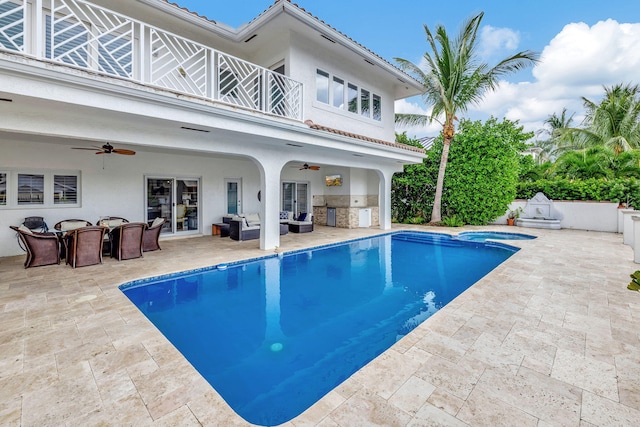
365,103
322,87
334,91
352,98
338,92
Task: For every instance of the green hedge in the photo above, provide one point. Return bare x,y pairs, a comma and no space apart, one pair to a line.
623,190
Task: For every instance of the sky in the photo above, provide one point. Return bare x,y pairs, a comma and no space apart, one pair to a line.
584,46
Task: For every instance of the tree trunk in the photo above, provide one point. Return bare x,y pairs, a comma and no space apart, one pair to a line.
436,213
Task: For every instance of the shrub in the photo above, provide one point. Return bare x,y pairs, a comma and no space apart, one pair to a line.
484,163
621,190
452,221
480,179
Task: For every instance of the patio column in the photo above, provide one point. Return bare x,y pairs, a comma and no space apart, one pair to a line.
384,198
270,203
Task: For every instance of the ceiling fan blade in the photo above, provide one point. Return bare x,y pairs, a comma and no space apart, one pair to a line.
123,151
86,148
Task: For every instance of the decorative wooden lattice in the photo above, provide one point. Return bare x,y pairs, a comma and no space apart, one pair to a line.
85,35
178,64
12,25
88,36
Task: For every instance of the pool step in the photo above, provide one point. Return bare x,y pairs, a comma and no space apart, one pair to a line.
439,239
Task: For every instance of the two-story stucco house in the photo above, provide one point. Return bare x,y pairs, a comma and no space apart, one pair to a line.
222,120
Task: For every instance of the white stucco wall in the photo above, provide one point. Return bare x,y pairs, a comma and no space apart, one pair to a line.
119,188
307,56
579,215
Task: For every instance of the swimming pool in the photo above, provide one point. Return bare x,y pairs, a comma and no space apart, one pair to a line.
274,335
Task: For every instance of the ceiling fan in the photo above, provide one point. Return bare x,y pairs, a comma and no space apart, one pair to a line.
307,167
107,149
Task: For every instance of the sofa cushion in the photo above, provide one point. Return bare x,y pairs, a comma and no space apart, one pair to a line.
253,218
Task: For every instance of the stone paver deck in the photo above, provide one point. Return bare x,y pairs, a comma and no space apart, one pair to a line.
549,338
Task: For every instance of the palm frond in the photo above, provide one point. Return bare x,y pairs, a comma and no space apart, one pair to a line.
413,119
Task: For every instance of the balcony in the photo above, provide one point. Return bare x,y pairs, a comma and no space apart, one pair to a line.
79,34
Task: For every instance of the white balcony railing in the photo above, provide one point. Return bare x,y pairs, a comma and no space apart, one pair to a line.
81,34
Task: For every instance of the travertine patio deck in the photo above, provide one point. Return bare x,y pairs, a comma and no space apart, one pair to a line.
549,338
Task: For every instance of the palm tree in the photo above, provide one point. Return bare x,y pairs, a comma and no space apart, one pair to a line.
598,162
592,162
452,79
615,121
558,141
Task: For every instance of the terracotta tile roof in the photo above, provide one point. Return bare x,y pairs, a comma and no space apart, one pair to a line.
362,137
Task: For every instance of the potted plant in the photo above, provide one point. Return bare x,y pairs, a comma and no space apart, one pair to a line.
513,215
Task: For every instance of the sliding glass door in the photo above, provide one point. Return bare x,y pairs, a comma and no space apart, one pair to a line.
175,199
295,197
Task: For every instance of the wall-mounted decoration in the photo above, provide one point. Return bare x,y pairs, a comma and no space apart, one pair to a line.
333,180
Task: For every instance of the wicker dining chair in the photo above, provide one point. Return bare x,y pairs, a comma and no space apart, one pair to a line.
42,248
126,240
84,245
152,235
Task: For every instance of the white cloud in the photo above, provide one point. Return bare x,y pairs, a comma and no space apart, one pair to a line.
495,40
604,54
578,62
404,106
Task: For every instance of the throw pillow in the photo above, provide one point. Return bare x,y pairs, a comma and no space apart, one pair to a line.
157,221
302,217
284,215
24,229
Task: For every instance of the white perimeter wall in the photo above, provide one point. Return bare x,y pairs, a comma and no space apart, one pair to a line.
592,216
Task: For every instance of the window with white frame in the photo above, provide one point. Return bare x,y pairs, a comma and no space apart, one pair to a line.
322,86
334,91
338,92
30,189
377,108
352,98
65,189
365,103
24,189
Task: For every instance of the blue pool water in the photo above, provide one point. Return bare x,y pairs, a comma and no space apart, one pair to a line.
274,335
481,236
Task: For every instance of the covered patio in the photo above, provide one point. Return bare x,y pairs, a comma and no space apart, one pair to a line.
549,337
